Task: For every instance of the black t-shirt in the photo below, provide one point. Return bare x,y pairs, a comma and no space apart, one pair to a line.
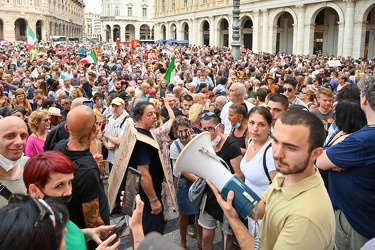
145,154
87,184
228,151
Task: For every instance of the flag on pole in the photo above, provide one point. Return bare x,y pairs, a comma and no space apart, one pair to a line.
169,75
90,58
30,38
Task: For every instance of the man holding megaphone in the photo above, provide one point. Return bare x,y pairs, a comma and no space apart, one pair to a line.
299,213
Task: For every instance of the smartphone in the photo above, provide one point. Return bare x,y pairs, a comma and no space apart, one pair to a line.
118,230
89,103
132,184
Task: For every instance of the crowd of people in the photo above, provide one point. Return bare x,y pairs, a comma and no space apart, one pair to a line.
295,129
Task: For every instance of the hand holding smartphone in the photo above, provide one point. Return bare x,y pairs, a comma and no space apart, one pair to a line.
120,228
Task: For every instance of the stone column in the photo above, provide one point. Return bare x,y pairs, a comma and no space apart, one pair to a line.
349,28
122,32
309,39
359,35
340,42
300,36
256,31
236,53
265,31
213,32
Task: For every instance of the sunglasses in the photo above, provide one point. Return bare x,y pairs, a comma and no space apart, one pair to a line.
209,114
288,89
47,120
44,209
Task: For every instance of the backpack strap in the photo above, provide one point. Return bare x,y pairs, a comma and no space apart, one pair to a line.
178,146
5,192
265,164
123,121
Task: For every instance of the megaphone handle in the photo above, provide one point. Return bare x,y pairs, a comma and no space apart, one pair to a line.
214,156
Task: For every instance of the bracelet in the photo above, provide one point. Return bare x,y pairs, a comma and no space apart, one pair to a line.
154,200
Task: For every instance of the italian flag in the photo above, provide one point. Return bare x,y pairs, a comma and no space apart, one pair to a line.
30,38
169,75
90,58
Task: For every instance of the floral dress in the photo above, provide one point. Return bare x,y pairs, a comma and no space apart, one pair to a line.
161,135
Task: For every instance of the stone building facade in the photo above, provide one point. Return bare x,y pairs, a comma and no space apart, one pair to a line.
127,19
93,27
45,17
333,27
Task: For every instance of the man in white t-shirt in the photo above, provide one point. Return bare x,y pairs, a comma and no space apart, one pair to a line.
236,95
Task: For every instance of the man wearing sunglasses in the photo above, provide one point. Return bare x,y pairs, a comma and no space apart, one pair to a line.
13,134
290,92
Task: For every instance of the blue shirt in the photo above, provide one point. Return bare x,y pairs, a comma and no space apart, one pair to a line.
353,190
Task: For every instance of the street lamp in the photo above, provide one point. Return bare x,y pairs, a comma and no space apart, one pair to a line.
236,31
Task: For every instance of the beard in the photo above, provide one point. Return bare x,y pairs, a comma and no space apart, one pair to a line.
295,168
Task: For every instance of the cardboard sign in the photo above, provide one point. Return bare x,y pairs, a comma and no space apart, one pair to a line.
120,166
334,63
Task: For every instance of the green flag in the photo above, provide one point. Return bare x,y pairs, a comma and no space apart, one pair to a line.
93,56
169,75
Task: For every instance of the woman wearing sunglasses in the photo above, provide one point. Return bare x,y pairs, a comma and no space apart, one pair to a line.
50,174
39,123
227,149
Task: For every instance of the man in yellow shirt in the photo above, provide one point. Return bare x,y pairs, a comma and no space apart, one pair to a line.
296,209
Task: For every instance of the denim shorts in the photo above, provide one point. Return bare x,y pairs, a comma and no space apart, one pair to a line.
182,195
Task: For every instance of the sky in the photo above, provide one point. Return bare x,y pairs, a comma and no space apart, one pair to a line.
93,6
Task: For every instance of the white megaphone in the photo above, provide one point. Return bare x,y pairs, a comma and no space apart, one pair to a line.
199,158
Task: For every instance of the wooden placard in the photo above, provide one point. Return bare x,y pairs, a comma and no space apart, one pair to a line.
120,166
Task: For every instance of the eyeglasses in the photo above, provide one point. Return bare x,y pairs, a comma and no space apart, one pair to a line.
211,129
288,89
47,120
44,209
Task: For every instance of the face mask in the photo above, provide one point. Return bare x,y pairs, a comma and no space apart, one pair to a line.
216,141
238,124
65,199
27,84
183,135
7,164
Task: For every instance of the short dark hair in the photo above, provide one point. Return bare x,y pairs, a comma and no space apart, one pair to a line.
188,98
350,91
317,132
349,116
276,97
291,81
19,218
97,95
263,111
262,94
210,116
140,109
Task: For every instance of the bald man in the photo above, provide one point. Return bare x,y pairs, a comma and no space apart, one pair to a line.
59,132
89,205
13,135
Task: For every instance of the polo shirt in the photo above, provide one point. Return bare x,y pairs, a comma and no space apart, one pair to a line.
299,216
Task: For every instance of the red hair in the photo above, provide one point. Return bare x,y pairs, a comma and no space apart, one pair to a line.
39,167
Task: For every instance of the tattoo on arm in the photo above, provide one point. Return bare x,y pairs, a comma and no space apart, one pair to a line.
91,213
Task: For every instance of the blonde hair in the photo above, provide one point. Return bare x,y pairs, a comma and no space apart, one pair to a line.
196,111
36,117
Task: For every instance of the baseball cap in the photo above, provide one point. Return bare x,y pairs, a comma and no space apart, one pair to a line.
118,101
